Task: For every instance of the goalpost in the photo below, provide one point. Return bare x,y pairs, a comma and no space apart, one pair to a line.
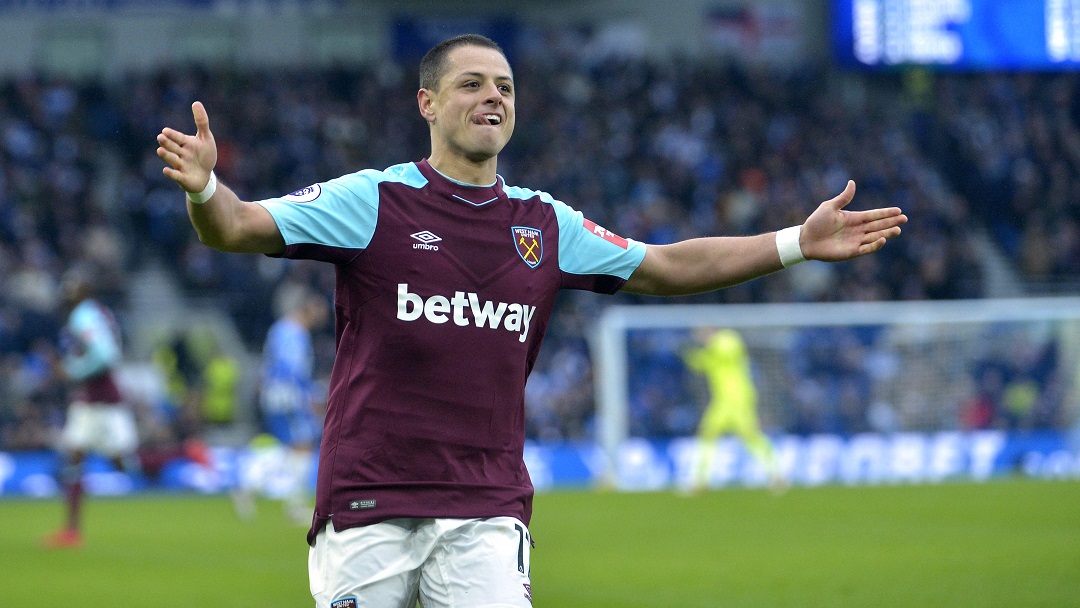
914,365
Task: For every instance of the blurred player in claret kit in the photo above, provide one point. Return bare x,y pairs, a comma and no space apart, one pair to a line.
446,279
724,362
98,419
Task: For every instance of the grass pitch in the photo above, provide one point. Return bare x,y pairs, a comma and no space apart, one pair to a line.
1007,543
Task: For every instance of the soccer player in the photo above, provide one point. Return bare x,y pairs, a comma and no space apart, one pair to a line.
446,279
98,419
288,398
732,407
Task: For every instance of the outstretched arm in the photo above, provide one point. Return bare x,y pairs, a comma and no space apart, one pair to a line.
830,234
223,221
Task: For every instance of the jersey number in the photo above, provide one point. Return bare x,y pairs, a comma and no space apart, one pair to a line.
523,539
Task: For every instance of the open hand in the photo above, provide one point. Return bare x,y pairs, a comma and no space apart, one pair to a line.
190,158
832,234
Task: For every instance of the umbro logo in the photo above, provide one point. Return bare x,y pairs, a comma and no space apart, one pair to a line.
426,238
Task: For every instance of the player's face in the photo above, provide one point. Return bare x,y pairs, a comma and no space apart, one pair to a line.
472,113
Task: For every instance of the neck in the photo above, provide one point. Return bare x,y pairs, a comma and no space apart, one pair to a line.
480,173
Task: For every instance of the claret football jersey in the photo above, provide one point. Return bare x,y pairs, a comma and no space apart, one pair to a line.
444,291
90,342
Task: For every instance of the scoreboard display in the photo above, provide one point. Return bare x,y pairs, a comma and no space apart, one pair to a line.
971,35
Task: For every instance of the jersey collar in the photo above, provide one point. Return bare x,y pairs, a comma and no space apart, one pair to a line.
472,194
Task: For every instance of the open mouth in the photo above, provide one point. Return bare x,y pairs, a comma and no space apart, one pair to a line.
487,119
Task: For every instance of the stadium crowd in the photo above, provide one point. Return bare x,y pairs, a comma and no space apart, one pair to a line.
653,150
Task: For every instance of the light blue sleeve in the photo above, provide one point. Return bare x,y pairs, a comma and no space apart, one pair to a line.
100,347
340,213
584,247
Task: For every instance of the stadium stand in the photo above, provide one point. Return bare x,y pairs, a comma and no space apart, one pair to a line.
982,164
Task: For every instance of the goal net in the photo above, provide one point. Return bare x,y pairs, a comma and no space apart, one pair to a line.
845,370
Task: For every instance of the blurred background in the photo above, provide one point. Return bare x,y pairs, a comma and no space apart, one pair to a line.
659,121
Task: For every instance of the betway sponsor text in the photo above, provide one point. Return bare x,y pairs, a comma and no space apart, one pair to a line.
465,309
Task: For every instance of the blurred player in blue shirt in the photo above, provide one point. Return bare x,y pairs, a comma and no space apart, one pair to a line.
288,398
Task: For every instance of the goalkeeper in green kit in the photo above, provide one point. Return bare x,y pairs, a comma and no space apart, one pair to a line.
732,408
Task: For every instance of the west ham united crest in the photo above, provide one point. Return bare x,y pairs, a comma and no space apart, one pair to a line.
529,243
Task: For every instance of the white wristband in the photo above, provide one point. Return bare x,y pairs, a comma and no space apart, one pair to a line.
787,244
201,197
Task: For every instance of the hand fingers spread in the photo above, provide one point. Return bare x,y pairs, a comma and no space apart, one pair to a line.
887,224
169,157
871,215
884,223
173,135
169,144
881,235
872,246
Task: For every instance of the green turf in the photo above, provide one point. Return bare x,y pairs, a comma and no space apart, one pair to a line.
154,551
1011,543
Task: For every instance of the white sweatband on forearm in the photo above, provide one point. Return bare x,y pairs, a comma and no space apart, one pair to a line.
201,197
787,244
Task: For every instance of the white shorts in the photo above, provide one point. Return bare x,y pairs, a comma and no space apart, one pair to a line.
102,428
443,563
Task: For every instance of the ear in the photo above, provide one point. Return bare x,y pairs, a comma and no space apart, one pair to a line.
426,100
